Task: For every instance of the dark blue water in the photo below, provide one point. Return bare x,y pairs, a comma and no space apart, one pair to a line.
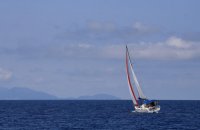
89,115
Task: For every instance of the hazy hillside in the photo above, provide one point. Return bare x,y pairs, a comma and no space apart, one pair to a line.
19,93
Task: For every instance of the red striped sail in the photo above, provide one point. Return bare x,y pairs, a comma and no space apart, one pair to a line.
129,81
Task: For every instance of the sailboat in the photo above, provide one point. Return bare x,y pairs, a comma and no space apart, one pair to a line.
140,101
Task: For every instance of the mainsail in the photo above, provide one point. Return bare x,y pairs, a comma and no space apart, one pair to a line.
139,90
129,81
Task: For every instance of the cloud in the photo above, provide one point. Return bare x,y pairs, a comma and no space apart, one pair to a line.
5,74
178,43
142,28
90,40
172,48
106,31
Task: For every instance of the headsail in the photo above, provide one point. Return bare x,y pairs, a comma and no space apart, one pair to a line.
134,99
140,92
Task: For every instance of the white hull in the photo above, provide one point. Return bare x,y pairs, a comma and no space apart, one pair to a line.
144,109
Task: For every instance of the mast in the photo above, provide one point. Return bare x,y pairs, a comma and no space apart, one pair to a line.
129,81
140,92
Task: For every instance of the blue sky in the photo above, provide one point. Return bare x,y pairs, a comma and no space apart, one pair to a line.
71,48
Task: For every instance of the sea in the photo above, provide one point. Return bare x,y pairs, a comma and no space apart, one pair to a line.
97,115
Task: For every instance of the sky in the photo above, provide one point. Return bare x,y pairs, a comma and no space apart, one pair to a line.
70,48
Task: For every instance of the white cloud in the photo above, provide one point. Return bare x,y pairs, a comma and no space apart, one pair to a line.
172,48
5,74
178,42
139,26
97,31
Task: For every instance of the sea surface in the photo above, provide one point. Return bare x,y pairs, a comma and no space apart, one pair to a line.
99,114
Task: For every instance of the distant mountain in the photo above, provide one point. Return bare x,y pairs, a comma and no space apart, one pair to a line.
98,97
19,93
